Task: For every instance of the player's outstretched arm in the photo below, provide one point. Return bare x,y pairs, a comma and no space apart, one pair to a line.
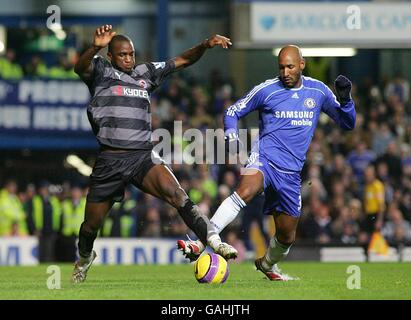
102,37
195,53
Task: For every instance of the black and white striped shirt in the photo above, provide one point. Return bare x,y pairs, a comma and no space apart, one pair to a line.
119,110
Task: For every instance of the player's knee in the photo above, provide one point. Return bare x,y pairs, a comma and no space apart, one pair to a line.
286,239
246,193
177,198
92,225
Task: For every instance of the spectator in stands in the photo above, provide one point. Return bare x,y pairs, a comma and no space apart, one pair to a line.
29,194
36,67
229,179
151,222
208,185
223,98
396,230
399,87
393,161
382,139
351,227
201,120
71,219
359,159
44,212
222,193
318,225
205,204
195,193
345,227
122,218
319,151
405,205
62,70
336,141
12,217
350,233
313,184
9,69
339,198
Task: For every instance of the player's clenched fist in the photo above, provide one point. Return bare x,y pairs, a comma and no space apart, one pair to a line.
103,36
343,89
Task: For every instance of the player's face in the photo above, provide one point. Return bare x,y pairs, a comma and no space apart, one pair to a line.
122,57
291,68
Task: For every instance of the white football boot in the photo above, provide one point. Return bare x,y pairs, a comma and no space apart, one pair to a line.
222,248
81,267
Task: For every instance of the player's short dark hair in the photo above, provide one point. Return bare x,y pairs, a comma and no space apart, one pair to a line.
116,38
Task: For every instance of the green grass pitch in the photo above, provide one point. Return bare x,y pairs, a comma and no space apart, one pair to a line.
177,282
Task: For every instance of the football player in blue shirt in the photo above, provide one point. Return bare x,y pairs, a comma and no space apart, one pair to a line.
289,108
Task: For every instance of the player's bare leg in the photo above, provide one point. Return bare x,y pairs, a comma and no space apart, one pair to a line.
279,247
94,218
161,183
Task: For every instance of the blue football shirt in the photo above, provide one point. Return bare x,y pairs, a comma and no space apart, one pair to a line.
288,118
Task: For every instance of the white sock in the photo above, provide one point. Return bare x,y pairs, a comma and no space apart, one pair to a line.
275,253
225,214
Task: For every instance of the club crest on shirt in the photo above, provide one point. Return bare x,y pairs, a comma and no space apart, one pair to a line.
142,83
309,103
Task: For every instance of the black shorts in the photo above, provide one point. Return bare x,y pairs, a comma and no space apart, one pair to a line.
113,171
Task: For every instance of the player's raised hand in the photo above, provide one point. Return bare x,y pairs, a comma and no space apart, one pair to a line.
218,40
343,89
103,36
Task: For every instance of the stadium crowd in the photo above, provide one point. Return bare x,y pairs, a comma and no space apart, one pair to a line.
36,67
349,177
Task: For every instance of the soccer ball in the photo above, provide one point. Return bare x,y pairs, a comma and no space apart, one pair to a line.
211,268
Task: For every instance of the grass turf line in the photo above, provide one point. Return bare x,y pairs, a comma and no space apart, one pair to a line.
317,281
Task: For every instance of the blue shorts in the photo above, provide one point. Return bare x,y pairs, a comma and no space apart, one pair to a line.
282,189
